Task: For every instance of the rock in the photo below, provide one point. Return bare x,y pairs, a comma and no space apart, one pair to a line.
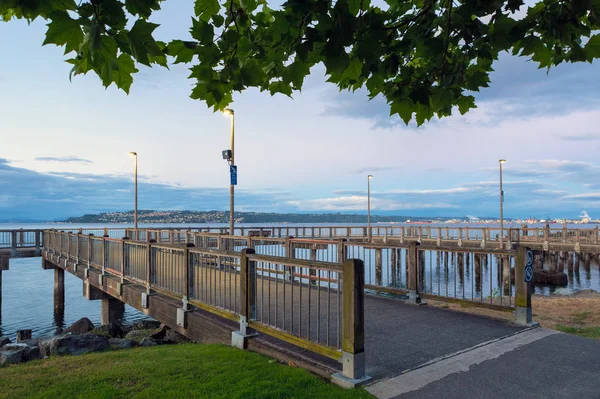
112,330
148,342
146,325
137,335
173,337
160,333
81,326
11,356
23,335
4,341
30,349
75,345
120,343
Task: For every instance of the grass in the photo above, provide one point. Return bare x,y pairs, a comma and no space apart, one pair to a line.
587,332
577,314
174,371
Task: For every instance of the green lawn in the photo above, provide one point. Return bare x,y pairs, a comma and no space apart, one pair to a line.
587,332
177,371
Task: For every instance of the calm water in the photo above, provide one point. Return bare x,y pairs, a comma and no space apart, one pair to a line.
27,296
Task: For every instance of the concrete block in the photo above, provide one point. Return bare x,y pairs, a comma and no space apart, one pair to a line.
182,317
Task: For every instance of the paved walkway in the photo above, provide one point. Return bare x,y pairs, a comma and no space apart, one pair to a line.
433,353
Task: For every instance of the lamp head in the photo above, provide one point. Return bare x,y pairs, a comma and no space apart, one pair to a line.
502,161
228,112
133,154
370,177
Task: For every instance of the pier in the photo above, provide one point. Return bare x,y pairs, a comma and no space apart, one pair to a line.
327,299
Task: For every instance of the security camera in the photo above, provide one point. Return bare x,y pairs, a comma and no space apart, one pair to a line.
226,155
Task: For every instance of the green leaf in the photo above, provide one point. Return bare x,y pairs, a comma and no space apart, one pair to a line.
125,68
251,73
404,108
280,87
182,51
205,9
143,45
143,8
202,31
64,31
592,48
465,103
441,99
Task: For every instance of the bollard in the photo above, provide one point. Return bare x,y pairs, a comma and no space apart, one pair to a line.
239,339
413,274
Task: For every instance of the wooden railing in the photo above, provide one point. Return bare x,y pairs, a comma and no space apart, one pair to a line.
313,304
22,238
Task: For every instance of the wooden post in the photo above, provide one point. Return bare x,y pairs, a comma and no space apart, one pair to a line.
523,314
353,328
0,292
378,267
477,267
413,273
149,269
59,291
111,311
312,272
247,289
506,274
394,266
341,250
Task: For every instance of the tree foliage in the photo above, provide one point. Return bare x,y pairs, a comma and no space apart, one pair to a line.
425,57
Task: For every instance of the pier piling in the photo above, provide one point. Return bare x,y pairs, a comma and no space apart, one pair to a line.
112,310
59,292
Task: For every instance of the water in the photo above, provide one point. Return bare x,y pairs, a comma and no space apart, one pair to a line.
27,297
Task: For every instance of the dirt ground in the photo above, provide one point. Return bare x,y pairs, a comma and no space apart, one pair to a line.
577,314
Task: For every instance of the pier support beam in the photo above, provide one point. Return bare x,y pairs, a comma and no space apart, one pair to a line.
112,310
59,292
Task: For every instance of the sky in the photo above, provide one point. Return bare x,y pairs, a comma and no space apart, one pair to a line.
64,145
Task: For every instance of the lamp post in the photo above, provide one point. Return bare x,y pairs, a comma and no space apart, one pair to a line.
502,161
231,160
135,194
369,177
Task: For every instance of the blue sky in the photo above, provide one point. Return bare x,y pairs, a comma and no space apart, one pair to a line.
64,145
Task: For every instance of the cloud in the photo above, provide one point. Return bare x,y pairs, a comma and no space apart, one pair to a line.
582,137
373,169
28,194
359,203
71,158
585,196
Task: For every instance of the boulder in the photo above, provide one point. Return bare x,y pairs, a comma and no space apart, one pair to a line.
30,349
137,335
4,341
120,343
148,342
81,326
112,330
11,356
146,325
23,335
75,344
160,333
173,337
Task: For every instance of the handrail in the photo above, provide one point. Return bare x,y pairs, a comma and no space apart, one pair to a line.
334,267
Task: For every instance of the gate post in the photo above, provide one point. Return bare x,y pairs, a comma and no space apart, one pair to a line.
353,326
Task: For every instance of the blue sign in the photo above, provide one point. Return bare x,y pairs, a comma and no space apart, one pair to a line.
233,174
529,266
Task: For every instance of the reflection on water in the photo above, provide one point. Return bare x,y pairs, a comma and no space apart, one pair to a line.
28,301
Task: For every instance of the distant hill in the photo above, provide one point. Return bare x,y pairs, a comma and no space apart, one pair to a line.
149,216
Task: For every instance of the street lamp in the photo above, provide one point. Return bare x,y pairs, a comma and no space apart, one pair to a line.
230,157
502,161
135,191
369,177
